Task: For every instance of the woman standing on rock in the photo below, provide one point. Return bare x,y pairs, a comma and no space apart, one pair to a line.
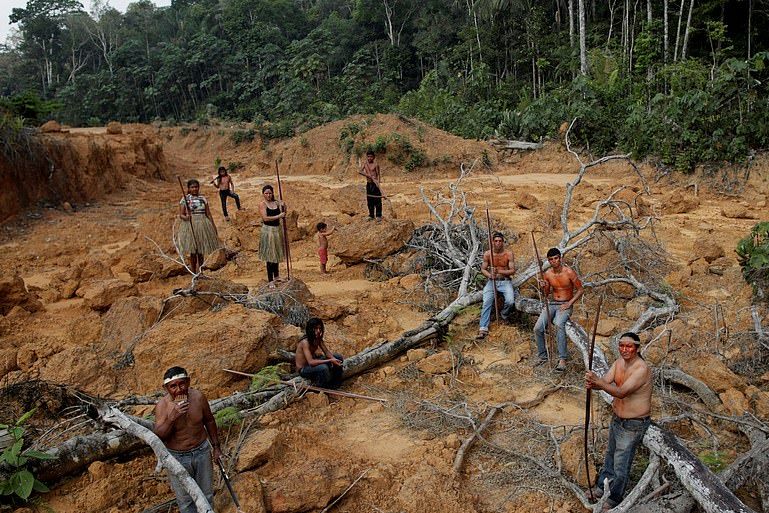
197,235
271,245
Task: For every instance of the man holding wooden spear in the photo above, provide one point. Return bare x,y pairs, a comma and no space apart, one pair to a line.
498,266
629,382
185,424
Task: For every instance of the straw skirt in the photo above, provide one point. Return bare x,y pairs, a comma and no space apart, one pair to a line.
271,244
205,236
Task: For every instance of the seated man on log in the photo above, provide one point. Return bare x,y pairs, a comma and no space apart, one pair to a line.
629,382
567,289
183,420
498,266
314,360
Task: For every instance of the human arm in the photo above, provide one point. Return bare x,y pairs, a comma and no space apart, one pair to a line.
310,358
329,231
183,212
510,269
485,265
638,376
594,382
331,358
210,423
167,412
231,185
576,284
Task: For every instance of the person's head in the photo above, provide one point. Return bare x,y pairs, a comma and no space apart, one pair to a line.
193,186
370,155
629,344
314,330
268,192
176,381
554,257
498,240
222,171
321,226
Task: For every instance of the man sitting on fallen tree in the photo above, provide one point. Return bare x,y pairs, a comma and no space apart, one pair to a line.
629,381
183,420
310,362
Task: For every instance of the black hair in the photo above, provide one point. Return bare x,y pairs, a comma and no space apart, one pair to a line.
192,182
174,371
309,329
267,187
553,252
633,336
497,235
222,168
370,152
321,226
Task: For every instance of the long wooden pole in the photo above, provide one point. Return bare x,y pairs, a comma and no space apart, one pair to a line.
491,262
189,212
589,396
548,337
286,244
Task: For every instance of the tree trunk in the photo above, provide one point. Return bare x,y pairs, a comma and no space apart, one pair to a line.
582,43
665,50
686,32
571,23
678,30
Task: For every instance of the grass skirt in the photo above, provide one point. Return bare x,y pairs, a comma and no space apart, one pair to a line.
205,236
271,244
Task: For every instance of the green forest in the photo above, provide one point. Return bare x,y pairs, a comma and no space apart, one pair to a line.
677,82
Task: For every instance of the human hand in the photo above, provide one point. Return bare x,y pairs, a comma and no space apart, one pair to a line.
590,379
180,408
334,361
217,454
541,283
565,307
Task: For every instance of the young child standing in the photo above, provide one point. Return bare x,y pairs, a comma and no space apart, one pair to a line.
323,233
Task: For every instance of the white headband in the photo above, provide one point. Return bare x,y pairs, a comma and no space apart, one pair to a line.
174,378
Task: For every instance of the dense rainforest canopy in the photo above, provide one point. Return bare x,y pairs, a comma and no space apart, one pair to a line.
681,82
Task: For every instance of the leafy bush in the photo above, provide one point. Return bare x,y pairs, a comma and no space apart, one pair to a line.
243,136
269,375
753,256
19,481
227,417
401,152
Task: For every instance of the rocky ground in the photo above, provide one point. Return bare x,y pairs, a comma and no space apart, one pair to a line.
85,283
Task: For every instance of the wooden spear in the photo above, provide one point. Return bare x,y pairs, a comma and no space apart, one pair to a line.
286,245
589,396
491,258
548,337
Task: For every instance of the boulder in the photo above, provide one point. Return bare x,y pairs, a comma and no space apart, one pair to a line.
608,326
248,488
438,363
99,295
13,293
368,239
634,308
411,281
114,128
734,211
153,266
699,267
735,402
126,320
415,355
707,249
713,372
216,260
283,495
678,202
524,200
50,127
95,269
258,449
759,401
8,359
74,365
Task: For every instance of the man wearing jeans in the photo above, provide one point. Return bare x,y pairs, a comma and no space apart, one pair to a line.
183,420
498,266
629,381
567,289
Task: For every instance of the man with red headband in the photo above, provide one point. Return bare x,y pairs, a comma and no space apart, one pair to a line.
183,420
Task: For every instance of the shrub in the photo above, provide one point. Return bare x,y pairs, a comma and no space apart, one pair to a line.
753,256
227,417
269,375
17,480
243,136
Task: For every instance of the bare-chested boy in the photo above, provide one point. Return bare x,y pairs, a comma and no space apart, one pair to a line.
183,420
567,289
323,233
223,181
370,169
629,382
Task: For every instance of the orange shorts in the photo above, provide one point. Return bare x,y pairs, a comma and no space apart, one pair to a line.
323,254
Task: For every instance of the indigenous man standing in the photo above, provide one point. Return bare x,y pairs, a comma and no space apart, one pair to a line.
629,381
370,169
567,289
183,420
498,266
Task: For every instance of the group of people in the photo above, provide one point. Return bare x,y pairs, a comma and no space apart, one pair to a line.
184,420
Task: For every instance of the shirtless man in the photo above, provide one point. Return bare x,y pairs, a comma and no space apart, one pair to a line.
629,381
184,422
498,266
370,169
567,289
223,181
314,360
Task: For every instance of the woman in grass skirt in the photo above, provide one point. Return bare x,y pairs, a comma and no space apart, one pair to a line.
197,235
271,245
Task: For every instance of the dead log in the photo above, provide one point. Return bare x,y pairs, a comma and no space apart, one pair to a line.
679,377
460,457
507,144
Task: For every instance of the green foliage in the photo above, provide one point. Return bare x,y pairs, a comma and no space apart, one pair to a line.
29,106
227,417
401,152
19,482
753,256
234,166
243,136
716,461
269,375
